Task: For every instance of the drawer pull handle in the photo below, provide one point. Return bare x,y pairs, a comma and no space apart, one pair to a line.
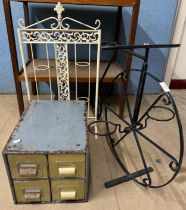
32,194
68,195
67,170
28,169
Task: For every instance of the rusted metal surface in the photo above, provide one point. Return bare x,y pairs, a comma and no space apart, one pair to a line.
51,126
29,191
26,169
32,194
24,166
49,129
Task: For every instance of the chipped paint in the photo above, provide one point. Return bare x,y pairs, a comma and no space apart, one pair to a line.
51,126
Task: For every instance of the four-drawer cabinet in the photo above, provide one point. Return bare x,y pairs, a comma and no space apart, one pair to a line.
47,155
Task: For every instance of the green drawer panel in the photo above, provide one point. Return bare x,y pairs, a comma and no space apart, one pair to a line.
66,165
28,166
68,190
32,191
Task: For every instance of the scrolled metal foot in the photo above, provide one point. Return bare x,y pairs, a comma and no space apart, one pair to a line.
174,166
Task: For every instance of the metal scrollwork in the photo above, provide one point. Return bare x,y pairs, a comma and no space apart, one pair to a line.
59,22
62,71
60,36
174,166
67,26
166,100
54,25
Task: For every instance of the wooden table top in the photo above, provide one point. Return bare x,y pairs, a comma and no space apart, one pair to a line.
125,3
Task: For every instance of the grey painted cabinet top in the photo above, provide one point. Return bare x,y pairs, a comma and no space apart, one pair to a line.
50,126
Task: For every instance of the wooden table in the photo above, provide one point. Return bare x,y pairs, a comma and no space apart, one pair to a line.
18,73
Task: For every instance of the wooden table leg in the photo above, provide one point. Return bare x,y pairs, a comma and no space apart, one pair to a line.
13,53
118,24
131,41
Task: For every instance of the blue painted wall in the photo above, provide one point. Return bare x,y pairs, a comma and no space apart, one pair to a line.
155,26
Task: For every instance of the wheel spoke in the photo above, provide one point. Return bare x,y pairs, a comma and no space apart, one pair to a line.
156,145
116,143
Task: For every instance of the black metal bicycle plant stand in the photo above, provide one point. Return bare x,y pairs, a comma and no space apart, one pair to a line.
137,124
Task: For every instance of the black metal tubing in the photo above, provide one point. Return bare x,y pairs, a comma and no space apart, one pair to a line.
126,178
115,126
140,89
137,141
128,49
110,140
147,181
135,125
157,146
101,82
131,47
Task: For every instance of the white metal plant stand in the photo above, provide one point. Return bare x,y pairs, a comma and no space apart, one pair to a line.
60,35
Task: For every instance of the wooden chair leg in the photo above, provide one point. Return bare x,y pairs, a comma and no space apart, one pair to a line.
34,91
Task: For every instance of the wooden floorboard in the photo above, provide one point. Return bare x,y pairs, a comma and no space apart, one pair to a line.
132,196
127,196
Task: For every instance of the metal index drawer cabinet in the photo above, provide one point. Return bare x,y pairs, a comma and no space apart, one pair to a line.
47,155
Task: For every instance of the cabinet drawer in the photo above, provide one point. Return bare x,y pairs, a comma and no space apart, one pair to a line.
28,166
32,191
67,165
67,190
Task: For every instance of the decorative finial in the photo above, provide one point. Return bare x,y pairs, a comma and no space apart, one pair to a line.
59,9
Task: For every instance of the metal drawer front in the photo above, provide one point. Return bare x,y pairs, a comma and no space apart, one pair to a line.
28,166
67,165
32,191
68,190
